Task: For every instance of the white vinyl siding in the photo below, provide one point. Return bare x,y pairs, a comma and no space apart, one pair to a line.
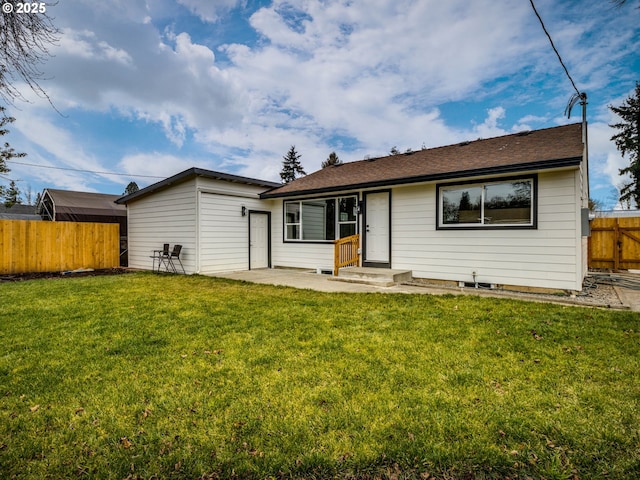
224,232
167,216
545,257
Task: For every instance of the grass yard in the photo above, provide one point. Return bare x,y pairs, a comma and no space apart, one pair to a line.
162,376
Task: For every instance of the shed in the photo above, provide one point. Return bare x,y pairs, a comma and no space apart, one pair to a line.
70,206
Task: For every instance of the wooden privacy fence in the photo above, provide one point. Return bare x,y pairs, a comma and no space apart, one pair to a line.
615,243
33,246
346,253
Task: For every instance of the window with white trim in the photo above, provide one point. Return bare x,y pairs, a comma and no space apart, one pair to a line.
323,219
491,204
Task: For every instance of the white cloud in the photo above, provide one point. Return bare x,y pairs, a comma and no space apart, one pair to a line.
373,72
210,11
489,128
363,71
56,152
135,71
604,159
56,140
84,44
524,122
156,164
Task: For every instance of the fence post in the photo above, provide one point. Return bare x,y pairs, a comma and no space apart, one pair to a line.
617,245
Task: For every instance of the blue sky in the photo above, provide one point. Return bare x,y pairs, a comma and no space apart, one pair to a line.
146,89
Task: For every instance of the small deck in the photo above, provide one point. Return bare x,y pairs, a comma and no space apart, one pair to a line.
380,277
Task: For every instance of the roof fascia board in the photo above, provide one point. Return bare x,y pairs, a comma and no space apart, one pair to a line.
192,173
161,185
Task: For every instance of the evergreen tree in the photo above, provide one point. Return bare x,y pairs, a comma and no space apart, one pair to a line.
12,195
465,202
331,160
6,152
132,187
627,141
291,166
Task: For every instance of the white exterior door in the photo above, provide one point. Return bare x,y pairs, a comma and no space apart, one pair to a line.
258,240
377,231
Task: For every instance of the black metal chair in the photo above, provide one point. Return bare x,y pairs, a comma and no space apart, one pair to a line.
175,255
162,256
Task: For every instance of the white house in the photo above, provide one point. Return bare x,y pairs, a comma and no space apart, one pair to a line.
509,210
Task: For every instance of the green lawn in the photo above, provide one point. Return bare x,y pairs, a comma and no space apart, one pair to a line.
163,376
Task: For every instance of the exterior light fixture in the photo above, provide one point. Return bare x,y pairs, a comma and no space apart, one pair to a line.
244,211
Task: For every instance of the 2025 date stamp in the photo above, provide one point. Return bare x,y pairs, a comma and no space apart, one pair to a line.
24,7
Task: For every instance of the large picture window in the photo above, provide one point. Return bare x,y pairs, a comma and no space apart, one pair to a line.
319,220
492,204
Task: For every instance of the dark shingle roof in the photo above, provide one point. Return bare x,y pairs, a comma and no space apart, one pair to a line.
18,212
535,150
18,209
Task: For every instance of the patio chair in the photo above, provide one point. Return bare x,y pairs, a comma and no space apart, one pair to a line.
175,255
162,256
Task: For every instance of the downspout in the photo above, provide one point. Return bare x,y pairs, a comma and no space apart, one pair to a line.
197,231
583,216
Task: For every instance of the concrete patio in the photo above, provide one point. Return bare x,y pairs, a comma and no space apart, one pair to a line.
618,298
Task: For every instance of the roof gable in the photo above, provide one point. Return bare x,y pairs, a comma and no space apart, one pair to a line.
192,173
535,150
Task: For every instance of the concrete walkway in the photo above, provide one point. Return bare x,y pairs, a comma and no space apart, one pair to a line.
630,298
307,279
311,280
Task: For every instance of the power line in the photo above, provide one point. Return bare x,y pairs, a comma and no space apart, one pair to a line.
84,171
555,49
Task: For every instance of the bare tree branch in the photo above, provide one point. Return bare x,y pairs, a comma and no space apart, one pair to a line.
25,39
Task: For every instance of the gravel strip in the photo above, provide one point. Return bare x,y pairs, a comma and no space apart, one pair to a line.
596,295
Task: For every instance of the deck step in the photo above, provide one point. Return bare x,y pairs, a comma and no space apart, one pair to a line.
383,277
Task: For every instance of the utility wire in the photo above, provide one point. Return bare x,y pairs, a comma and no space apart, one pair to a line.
555,49
84,171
